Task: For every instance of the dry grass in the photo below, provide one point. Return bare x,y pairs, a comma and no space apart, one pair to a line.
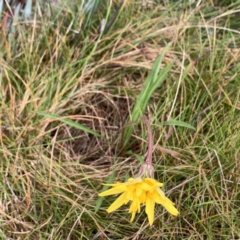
52,169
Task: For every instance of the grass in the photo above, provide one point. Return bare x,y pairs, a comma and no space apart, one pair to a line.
70,119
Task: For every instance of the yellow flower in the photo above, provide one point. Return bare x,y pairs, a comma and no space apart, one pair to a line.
139,191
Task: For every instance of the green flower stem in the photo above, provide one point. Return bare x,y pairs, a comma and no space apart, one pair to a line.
150,141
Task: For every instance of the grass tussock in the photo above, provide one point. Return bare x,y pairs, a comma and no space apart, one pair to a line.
71,95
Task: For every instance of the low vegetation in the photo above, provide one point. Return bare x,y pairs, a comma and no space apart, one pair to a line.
75,81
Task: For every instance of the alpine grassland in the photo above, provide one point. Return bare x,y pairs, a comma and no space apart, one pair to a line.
77,80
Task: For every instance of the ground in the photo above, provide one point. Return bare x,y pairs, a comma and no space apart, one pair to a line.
73,92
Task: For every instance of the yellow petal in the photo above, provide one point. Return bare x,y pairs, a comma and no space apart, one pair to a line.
143,197
138,191
150,209
154,182
114,190
129,195
135,206
130,179
161,193
133,216
166,203
117,203
170,208
146,187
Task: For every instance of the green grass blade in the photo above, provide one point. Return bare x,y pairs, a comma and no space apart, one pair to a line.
90,7
177,123
153,81
69,122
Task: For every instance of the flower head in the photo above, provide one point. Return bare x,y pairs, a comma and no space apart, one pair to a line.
139,191
142,190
